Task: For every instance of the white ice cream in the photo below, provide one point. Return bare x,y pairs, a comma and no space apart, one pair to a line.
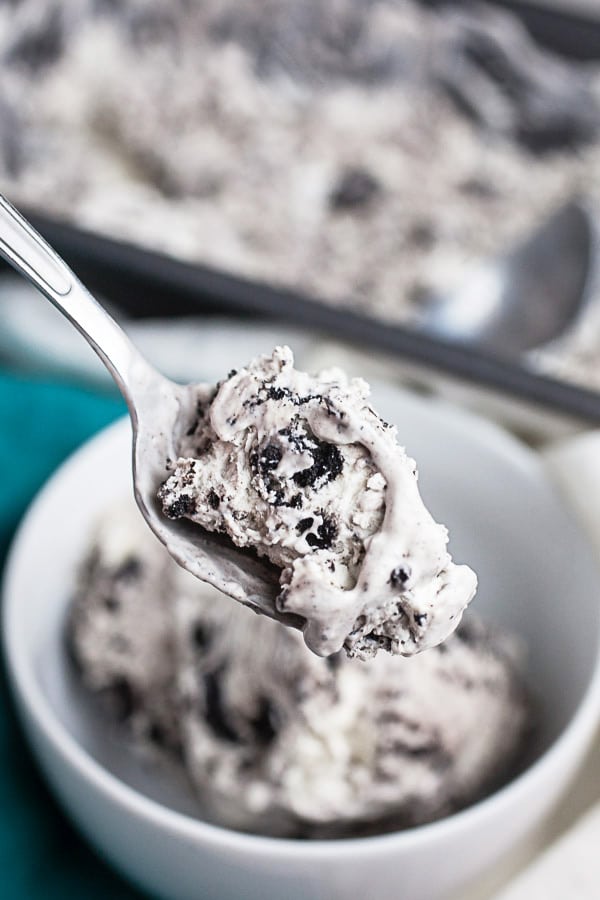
302,469
275,739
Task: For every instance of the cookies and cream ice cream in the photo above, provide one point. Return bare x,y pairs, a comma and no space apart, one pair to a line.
388,147
273,738
302,469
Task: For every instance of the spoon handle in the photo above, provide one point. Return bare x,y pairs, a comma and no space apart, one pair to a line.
27,252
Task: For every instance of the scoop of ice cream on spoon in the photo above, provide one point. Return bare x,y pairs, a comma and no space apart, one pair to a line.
284,490
304,471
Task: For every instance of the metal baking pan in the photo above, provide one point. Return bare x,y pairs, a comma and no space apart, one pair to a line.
146,283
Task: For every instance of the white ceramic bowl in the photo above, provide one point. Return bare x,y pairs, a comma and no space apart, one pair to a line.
536,576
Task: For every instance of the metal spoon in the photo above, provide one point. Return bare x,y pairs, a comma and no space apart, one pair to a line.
159,409
527,298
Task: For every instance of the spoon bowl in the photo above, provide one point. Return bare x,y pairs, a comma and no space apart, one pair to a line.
527,298
161,410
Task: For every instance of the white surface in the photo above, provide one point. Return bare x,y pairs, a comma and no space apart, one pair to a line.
503,517
575,466
571,868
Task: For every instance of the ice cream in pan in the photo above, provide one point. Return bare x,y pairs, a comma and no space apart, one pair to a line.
301,469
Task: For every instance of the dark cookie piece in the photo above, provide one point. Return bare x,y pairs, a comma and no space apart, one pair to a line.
213,499
399,576
564,131
130,569
485,52
185,505
119,698
264,724
325,536
264,462
304,524
469,632
111,604
157,735
200,414
422,235
277,393
431,753
214,712
478,187
335,660
201,636
269,458
328,463
40,45
355,189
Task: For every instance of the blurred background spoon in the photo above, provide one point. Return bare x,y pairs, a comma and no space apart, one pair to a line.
526,298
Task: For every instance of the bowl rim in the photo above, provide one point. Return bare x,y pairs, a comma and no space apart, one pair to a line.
33,709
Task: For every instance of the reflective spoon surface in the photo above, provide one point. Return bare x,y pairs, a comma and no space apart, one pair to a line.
526,299
158,408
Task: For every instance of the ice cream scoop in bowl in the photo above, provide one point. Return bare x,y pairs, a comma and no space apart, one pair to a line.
148,824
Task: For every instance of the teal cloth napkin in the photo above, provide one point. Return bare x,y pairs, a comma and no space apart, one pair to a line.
41,855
